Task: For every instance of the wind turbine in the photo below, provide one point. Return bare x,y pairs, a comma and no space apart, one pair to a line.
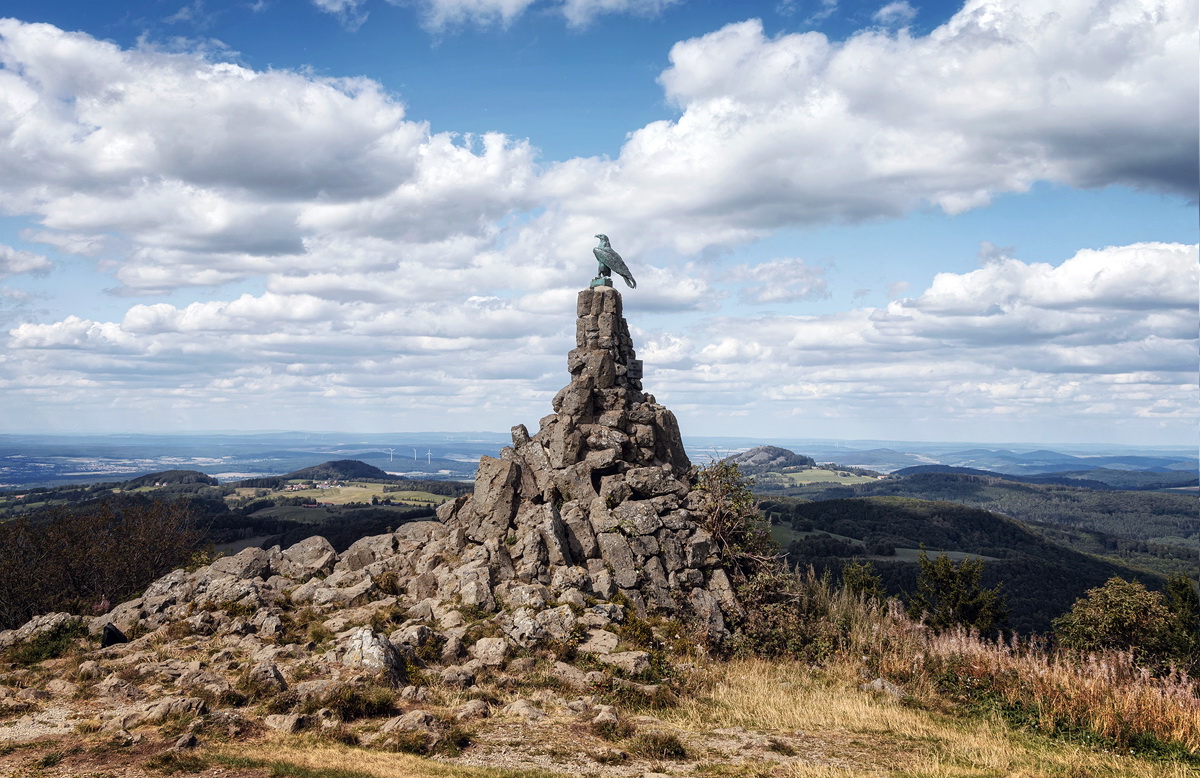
391,454
428,457
414,455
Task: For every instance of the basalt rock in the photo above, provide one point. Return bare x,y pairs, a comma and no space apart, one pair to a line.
599,494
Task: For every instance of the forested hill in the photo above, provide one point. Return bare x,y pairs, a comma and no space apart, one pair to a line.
342,470
1168,518
170,477
761,459
1098,478
353,470
1040,579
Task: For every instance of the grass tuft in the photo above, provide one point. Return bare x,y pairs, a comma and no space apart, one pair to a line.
658,745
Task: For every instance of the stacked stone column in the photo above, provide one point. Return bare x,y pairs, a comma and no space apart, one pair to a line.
599,497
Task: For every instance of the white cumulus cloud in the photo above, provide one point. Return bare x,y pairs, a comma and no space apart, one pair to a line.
798,129
15,262
896,13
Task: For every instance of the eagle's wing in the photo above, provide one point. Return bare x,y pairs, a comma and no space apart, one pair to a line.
612,260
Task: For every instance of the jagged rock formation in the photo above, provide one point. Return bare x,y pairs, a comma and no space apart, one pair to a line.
600,497
569,533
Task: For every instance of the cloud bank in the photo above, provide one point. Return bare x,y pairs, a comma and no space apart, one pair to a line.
433,273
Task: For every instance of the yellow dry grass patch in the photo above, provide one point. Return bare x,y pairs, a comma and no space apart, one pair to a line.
317,757
881,737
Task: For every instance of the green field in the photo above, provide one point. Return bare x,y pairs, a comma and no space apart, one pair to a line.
784,535
361,492
815,475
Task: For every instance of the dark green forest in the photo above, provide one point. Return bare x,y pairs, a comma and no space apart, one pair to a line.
1040,580
1157,531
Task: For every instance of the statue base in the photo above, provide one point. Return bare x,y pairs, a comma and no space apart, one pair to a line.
600,281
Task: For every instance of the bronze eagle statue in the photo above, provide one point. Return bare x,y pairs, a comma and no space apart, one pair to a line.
611,261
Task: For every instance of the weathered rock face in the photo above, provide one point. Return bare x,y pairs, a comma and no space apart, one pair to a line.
598,495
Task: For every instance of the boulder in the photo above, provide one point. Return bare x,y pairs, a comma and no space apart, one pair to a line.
39,625
247,563
266,676
525,709
472,709
458,676
490,651
307,558
366,551
286,723
414,720
628,662
599,641
175,707
369,651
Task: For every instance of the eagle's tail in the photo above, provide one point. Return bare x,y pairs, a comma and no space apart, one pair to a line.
629,280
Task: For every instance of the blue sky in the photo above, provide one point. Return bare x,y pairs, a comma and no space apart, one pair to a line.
906,220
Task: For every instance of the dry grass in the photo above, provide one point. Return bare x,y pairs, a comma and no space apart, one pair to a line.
882,737
1108,694
320,756
1105,697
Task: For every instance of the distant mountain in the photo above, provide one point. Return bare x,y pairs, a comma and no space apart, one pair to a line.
170,477
1097,478
761,459
341,470
1044,461
882,459
915,469
336,470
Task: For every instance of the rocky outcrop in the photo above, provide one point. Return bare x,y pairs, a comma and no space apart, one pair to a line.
598,499
570,533
594,509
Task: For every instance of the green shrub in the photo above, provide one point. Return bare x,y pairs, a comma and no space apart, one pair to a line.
740,537
860,578
171,762
352,702
450,742
49,644
1123,615
389,583
612,730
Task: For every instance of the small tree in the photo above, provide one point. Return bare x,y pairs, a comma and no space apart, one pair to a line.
860,579
949,595
740,536
782,615
1119,615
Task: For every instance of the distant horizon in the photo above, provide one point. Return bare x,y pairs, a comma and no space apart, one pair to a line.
504,435
945,220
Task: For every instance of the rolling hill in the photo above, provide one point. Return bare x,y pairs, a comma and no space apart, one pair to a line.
1040,579
1097,478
